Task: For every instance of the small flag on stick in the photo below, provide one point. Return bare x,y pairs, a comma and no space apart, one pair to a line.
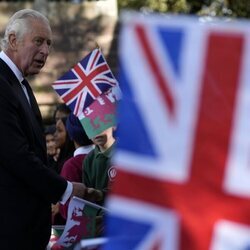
87,80
81,224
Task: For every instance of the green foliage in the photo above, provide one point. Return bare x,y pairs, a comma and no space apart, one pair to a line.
216,8
153,5
240,8
177,6
196,5
231,8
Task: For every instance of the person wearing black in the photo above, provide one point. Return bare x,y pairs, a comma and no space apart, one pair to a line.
27,185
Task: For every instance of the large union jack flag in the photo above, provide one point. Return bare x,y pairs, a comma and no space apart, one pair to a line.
183,152
87,80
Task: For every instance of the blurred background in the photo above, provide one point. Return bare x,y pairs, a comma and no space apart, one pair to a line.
79,26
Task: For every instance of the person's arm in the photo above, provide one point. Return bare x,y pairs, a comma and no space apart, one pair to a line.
18,158
94,195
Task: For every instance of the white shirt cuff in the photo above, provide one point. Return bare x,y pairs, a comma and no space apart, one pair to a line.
67,193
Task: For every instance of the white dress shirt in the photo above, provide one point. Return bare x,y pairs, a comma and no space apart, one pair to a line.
83,150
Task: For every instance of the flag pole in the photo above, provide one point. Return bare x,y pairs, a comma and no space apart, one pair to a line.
91,204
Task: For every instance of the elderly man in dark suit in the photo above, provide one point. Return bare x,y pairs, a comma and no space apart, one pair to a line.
27,185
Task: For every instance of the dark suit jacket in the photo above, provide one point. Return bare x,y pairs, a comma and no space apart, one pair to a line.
27,185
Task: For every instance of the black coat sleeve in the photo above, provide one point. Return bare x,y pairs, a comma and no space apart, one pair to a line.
20,165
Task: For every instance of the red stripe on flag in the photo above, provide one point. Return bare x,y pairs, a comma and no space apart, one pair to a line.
198,208
200,200
86,82
220,83
161,81
77,106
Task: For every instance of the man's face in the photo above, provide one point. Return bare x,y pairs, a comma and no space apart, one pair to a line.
33,49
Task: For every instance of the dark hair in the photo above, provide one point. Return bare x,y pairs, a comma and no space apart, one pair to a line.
62,107
76,131
67,150
50,130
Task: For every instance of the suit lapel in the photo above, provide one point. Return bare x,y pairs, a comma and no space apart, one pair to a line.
33,103
32,112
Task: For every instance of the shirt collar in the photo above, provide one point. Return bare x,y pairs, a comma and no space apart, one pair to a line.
108,153
12,66
83,150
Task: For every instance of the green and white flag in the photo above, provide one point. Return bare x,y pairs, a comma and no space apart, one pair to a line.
101,114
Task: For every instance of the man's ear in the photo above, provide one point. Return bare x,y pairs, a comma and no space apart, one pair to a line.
13,41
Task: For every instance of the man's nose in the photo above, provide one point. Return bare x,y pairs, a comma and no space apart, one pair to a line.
45,48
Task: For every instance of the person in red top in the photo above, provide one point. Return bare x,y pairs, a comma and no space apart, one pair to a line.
72,168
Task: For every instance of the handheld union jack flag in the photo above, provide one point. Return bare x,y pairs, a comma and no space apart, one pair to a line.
182,157
87,80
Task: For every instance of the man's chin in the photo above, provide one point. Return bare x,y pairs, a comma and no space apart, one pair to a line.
34,71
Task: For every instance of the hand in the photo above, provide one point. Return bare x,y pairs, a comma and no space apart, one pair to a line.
56,155
79,189
93,195
55,209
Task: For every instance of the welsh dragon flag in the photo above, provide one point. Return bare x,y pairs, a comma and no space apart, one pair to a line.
80,224
101,114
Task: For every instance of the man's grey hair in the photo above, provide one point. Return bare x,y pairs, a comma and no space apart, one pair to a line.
19,25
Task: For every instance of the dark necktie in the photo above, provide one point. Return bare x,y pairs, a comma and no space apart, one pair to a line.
24,85
32,100
35,114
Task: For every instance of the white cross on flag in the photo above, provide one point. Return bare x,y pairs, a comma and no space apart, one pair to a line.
183,154
86,81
